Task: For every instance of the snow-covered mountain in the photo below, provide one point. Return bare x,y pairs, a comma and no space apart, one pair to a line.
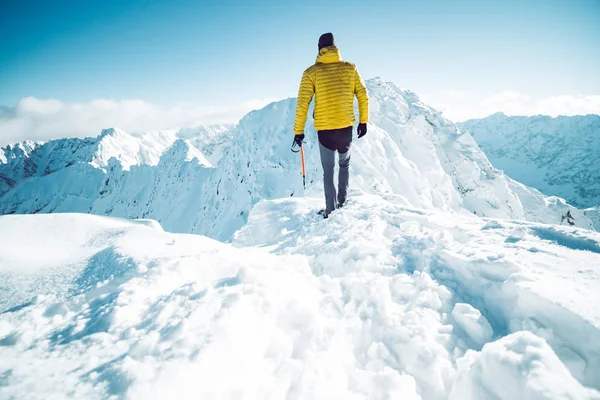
207,180
441,279
558,156
381,301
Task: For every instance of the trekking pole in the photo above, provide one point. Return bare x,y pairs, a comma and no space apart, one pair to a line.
303,169
301,151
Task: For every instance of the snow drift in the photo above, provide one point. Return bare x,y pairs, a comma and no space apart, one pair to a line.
380,301
207,180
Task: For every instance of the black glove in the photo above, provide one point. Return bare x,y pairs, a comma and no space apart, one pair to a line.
362,130
298,140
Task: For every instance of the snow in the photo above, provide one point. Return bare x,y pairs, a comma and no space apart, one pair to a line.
558,155
206,180
470,320
593,214
442,278
382,300
129,149
518,366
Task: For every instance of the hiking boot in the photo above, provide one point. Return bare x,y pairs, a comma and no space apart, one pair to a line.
322,212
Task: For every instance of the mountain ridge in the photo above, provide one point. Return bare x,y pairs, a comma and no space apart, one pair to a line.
411,150
556,155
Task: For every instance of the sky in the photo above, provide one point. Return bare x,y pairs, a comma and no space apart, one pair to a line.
152,64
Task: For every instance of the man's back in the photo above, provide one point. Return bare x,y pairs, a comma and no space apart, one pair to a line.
334,83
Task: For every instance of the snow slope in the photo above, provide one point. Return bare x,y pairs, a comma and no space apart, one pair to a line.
207,180
558,156
380,301
593,214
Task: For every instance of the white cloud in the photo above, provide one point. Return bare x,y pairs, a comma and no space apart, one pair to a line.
503,97
41,120
460,106
568,105
38,119
455,94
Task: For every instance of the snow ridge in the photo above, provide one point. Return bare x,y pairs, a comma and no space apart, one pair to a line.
411,151
381,301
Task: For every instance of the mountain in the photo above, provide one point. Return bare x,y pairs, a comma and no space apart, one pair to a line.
442,278
380,301
207,180
558,156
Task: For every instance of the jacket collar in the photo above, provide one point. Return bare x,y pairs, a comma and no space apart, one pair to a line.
329,55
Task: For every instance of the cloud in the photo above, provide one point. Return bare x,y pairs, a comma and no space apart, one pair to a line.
45,119
461,106
569,105
455,94
503,98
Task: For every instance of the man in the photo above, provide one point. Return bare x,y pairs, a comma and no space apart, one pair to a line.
334,83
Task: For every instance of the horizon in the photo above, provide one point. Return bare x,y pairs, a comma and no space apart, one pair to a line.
99,132
72,67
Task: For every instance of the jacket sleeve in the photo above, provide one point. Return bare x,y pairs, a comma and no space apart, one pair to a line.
305,95
360,91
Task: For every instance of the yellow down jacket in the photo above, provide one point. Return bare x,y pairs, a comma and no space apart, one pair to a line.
334,83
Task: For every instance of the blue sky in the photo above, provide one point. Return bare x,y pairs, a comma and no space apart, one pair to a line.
217,53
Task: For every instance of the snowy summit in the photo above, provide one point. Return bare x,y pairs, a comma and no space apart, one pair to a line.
442,278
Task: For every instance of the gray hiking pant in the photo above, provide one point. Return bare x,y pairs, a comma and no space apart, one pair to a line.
331,142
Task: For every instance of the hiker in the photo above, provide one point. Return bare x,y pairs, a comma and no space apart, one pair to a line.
334,83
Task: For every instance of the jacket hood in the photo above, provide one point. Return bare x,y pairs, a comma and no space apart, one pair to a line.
328,55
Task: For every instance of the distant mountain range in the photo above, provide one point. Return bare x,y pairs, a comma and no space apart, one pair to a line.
558,156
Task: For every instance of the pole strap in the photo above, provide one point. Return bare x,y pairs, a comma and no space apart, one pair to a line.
294,145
